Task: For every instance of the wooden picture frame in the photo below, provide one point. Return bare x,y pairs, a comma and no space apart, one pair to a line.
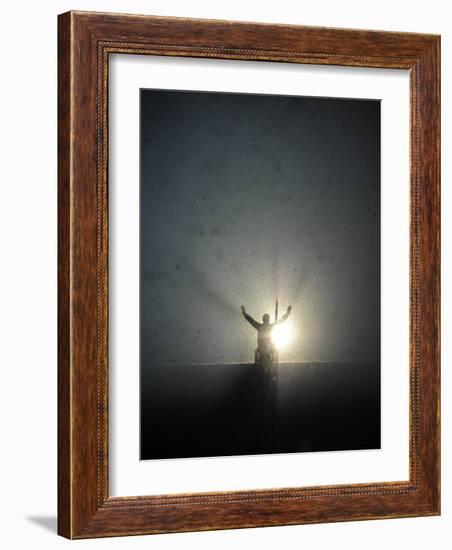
85,42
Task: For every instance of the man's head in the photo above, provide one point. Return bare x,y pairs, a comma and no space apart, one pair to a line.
266,318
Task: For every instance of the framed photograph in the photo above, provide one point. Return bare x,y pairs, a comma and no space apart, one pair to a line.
248,275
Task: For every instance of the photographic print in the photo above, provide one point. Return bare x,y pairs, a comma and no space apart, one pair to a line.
259,274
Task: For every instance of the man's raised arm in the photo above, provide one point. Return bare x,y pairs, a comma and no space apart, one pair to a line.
250,320
284,317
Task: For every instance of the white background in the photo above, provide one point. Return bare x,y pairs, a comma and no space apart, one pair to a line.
28,272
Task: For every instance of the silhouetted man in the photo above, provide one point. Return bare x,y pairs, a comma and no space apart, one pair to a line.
264,330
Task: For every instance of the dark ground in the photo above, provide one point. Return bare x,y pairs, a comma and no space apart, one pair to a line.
223,410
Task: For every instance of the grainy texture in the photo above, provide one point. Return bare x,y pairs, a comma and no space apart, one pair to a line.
85,41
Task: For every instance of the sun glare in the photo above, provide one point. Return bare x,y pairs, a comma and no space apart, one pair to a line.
282,335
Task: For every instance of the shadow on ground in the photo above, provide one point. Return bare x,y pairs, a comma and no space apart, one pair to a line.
223,410
49,523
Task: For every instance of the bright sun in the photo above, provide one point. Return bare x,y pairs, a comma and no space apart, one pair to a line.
282,335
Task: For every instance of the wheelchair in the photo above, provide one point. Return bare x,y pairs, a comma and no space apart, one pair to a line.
266,357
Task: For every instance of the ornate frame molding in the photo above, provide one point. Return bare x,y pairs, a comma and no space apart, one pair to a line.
85,42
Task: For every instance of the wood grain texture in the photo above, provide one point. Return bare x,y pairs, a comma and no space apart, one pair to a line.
85,42
64,294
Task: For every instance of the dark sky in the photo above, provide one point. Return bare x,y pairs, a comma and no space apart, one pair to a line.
245,198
